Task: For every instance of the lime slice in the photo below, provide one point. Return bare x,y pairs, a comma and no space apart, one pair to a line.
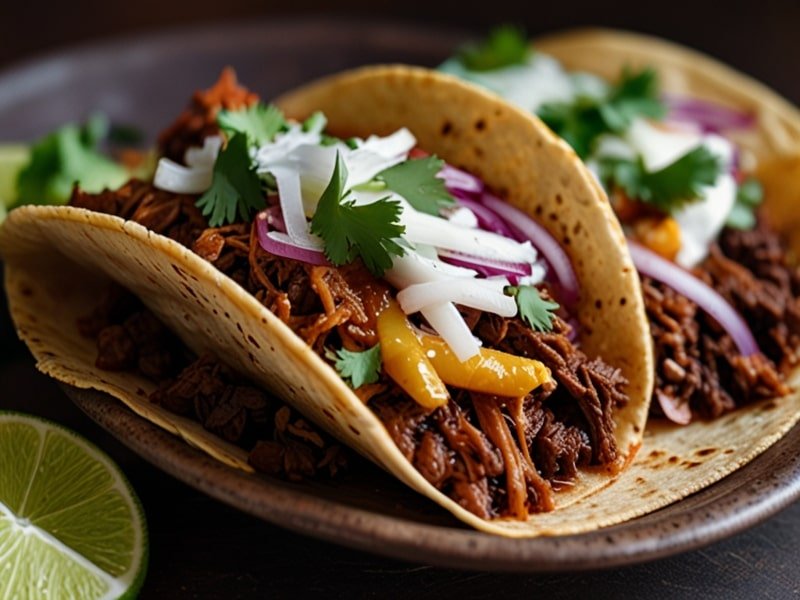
70,524
12,158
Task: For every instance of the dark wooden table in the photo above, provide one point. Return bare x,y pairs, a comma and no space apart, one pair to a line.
202,549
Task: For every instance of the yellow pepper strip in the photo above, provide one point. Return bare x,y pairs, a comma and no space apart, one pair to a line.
404,359
489,372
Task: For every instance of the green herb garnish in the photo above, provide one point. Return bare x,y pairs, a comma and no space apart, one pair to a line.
416,181
64,158
536,311
350,231
235,187
259,122
669,188
749,195
503,47
585,119
359,367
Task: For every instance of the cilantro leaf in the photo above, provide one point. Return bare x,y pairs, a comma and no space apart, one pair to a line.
259,122
64,158
358,367
585,119
235,187
416,181
535,310
749,195
504,46
670,188
349,231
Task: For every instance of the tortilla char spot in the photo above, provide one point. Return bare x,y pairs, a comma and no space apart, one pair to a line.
649,493
239,327
253,341
690,464
577,228
263,320
354,430
539,210
447,127
641,480
729,451
480,125
656,453
26,291
559,199
553,216
771,405
706,452
637,429
215,311
598,304
252,357
566,240
179,271
673,459
140,392
328,414
478,151
272,348
623,301
227,315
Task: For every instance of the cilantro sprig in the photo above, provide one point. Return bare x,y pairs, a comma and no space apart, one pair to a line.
349,231
504,46
416,181
670,188
258,123
584,120
359,367
65,157
235,186
535,310
749,195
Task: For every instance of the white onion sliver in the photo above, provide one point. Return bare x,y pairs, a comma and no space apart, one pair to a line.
412,268
450,325
652,265
460,291
400,143
291,201
463,217
205,156
172,177
422,228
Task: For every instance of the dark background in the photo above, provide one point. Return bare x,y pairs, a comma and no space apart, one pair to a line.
201,549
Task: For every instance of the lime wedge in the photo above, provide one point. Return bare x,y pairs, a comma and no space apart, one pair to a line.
12,158
70,524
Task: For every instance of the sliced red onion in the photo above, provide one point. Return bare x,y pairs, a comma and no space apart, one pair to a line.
485,266
456,179
526,228
711,117
652,265
280,244
680,413
487,219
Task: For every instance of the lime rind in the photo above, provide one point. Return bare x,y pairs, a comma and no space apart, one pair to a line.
36,519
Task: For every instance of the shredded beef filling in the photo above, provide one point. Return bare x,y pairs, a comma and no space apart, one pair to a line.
280,442
496,457
697,363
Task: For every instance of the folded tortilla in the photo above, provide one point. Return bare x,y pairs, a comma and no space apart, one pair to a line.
58,259
676,461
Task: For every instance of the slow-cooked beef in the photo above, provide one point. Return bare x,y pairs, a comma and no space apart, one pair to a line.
280,442
697,363
494,456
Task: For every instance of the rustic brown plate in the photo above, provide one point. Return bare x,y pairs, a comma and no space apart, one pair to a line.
145,81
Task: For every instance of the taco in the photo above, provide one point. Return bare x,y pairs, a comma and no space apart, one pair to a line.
326,256
686,149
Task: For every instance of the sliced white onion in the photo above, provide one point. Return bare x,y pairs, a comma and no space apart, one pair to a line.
411,268
205,156
422,228
460,291
400,143
448,323
463,217
172,177
291,201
